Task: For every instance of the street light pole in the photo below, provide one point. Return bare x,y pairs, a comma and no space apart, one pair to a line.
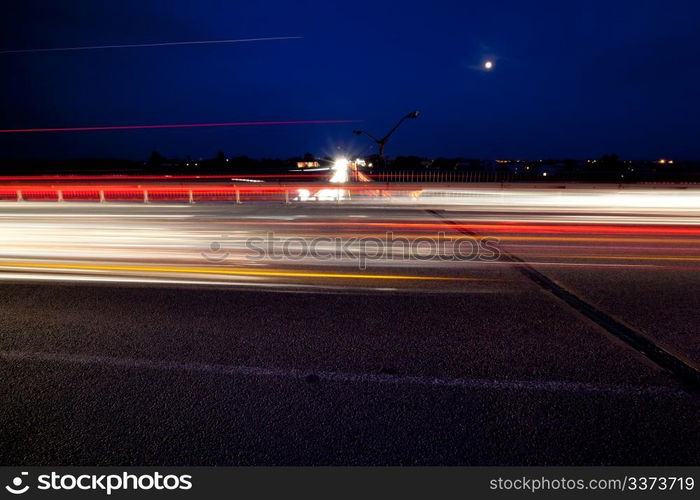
382,142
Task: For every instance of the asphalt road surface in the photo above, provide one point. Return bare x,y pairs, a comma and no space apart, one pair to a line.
213,334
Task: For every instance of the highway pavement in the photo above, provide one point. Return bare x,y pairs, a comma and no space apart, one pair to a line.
318,333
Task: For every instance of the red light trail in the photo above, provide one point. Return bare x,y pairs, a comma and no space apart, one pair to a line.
177,125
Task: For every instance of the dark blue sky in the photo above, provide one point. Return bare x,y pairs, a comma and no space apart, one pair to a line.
571,78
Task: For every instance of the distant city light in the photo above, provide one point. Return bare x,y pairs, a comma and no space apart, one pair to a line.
308,164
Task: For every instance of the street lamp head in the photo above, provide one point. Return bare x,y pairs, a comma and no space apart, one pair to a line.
413,114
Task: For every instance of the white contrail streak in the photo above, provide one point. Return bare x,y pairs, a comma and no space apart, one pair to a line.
160,44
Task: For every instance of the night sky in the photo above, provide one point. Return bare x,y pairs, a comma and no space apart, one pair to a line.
570,78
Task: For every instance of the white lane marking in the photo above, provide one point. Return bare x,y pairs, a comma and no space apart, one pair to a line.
338,377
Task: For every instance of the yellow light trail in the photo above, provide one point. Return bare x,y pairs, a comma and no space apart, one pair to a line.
226,271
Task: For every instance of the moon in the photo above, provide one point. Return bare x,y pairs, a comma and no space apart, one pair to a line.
488,65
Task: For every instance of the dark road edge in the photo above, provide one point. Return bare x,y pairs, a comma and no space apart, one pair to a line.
687,374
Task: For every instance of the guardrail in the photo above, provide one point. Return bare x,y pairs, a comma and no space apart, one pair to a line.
279,192
197,193
144,194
